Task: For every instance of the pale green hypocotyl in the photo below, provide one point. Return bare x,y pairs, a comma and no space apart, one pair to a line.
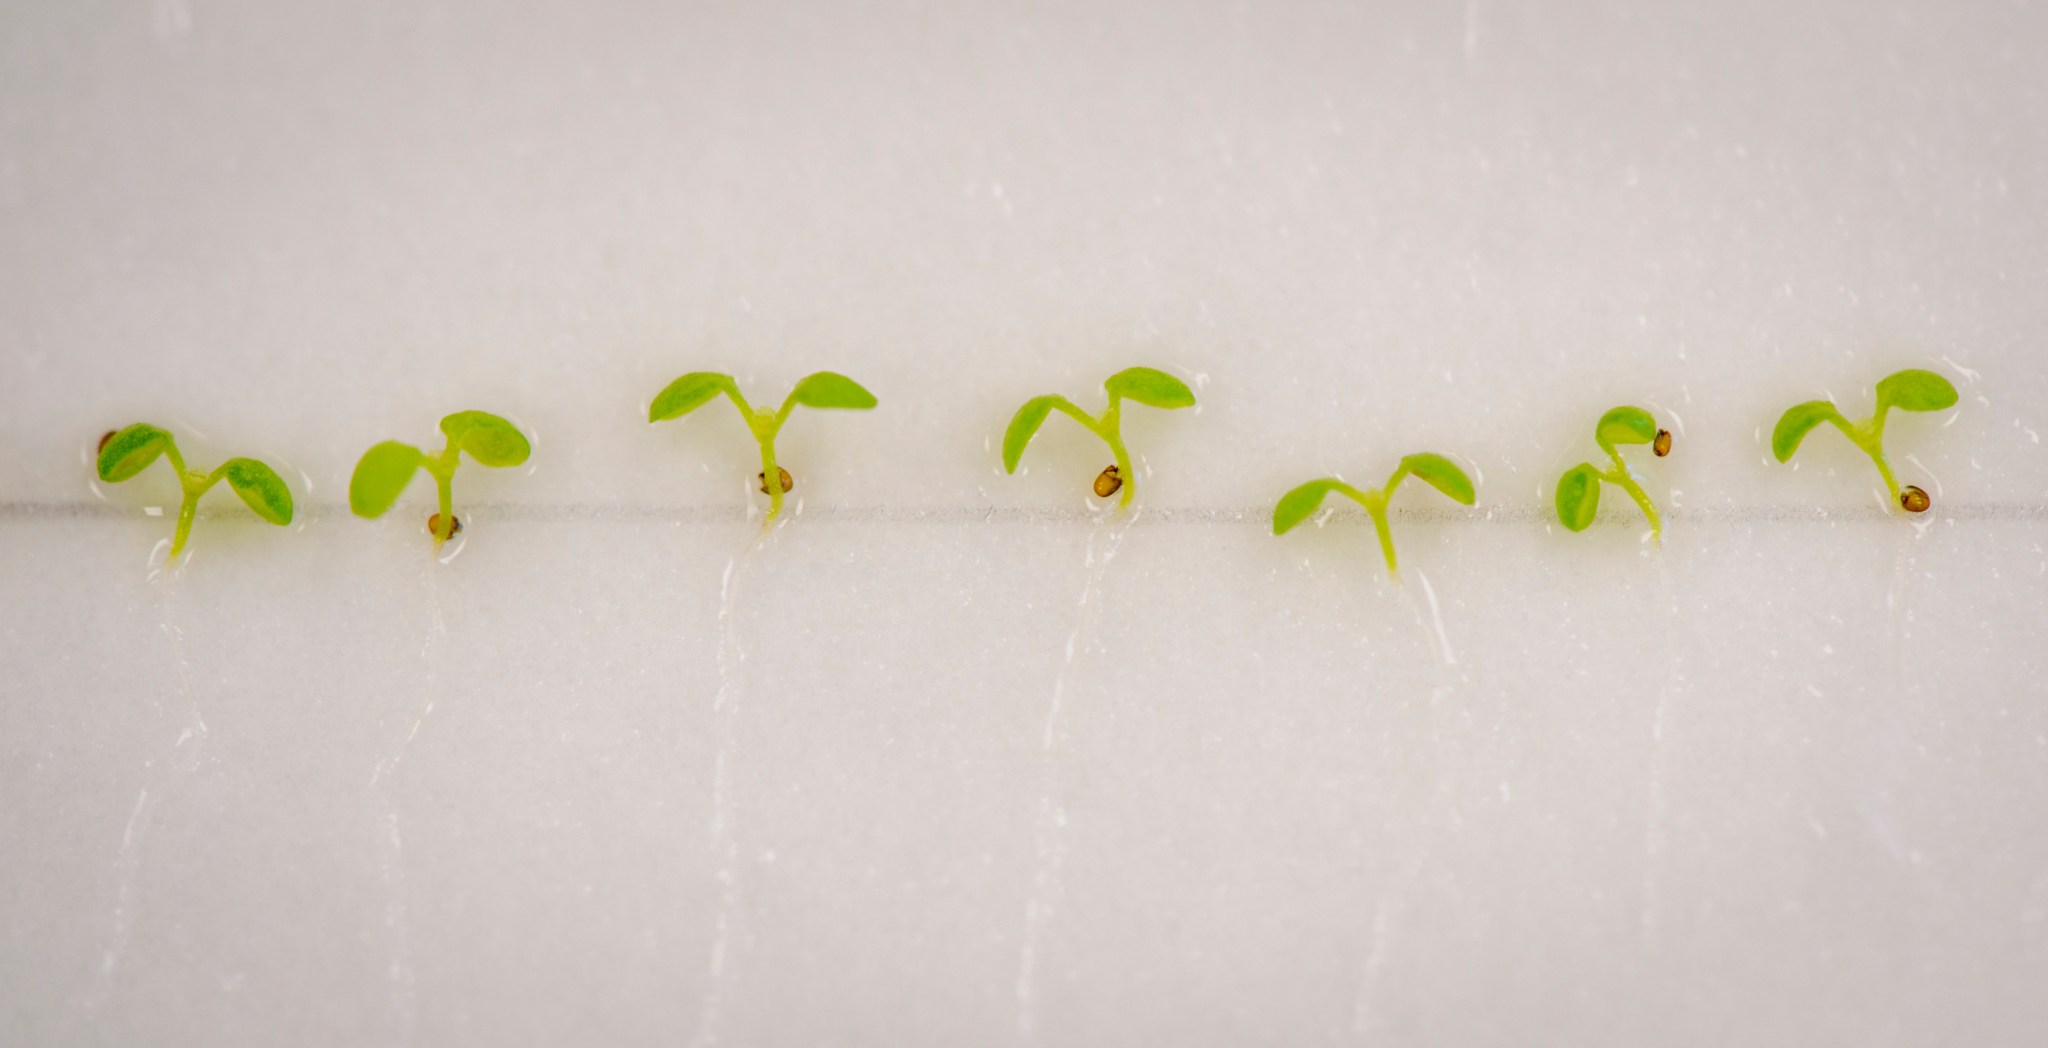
823,389
1578,491
1436,470
384,471
1148,386
1909,390
129,451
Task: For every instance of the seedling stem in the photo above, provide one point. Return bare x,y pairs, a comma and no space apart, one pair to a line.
125,453
1110,429
824,389
442,468
1909,390
1147,386
1578,491
1621,477
1433,469
384,471
190,486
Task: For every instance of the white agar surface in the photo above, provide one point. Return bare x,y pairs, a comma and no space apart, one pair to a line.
1778,783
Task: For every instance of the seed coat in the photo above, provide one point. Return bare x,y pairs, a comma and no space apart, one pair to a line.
1108,482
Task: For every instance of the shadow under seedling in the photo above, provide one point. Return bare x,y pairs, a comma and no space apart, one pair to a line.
1435,470
823,389
129,451
1908,390
1578,491
385,470
1147,386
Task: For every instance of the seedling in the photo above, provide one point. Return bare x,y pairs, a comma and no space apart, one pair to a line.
385,470
1908,390
127,452
823,389
1145,385
1578,491
1435,470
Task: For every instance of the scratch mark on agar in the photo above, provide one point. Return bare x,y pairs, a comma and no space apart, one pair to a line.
1436,620
125,863
391,842
725,709
1471,33
127,866
1049,828
1656,819
397,926
1364,1019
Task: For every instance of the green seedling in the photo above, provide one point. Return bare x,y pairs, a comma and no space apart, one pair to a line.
1909,390
1578,491
385,470
1147,386
129,451
1435,470
823,389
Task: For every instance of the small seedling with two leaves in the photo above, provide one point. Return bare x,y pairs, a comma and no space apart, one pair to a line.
129,451
385,470
1578,491
1147,386
1435,470
1909,390
823,389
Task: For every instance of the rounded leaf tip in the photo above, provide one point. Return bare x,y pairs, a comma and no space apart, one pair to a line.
1151,387
1627,425
381,476
1915,389
687,394
1578,497
260,488
1793,426
490,439
1442,474
1301,503
130,451
830,389
1023,426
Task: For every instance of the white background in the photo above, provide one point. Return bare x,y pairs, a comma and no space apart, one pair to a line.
949,759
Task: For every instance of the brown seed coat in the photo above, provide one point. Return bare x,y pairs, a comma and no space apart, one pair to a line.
1662,445
788,482
1914,500
1108,482
434,526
